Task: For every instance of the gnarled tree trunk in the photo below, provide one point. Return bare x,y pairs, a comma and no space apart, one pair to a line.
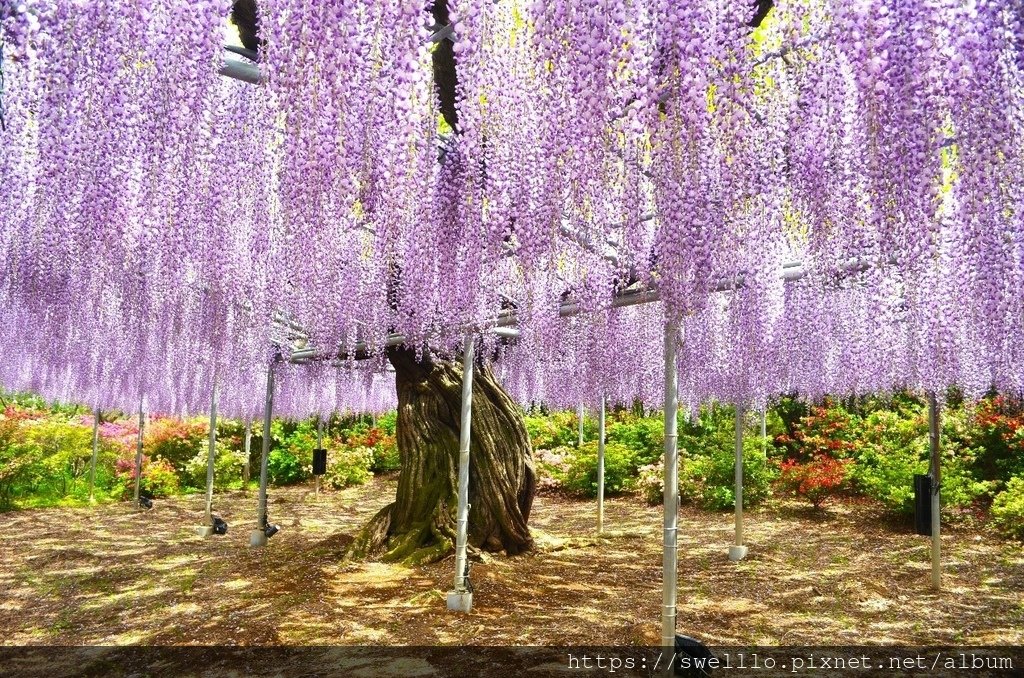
419,526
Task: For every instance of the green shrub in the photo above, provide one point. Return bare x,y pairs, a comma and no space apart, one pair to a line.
1008,509
284,468
557,429
708,478
645,436
387,422
349,466
580,476
385,456
227,467
893,448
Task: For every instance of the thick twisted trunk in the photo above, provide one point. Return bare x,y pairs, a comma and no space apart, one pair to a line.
420,526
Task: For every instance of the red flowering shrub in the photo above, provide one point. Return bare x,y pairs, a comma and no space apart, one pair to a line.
816,480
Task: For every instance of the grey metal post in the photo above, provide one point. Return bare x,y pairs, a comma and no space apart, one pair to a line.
934,444
738,551
95,454
319,444
211,456
247,446
671,507
600,467
461,598
138,459
579,441
764,429
258,537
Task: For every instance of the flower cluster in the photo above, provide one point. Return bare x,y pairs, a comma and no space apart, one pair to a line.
829,203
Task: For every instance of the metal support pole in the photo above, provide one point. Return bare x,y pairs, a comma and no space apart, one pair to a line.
319,445
95,454
138,459
259,536
461,598
738,551
933,426
671,507
579,441
211,456
600,467
764,430
247,446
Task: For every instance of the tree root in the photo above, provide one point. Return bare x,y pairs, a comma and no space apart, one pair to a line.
423,543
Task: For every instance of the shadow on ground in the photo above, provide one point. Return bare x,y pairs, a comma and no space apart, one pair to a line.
111,576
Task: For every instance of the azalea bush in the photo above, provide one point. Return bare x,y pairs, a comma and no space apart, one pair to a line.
580,475
349,466
159,478
816,480
551,465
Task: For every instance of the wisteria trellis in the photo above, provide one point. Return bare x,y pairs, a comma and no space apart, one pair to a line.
154,217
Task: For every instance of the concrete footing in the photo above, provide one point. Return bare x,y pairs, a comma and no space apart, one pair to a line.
204,531
460,601
257,538
737,553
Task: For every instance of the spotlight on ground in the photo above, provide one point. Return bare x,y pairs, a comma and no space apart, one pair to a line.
270,530
145,502
219,526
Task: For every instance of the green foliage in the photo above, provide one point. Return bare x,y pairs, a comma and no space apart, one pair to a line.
284,468
388,422
708,478
644,435
349,466
558,429
707,471
580,475
1008,509
227,467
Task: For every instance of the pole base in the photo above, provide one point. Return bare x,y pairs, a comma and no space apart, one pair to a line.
737,553
257,538
204,531
460,601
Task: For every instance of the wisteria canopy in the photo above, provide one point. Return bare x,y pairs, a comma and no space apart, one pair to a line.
829,202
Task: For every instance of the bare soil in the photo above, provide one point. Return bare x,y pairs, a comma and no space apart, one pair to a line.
108,575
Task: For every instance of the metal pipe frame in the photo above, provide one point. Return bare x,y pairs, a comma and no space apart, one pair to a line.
247,446
138,458
670,554
579,439
319,445
462,522
739,475
95,454
268,414
600,466
791,273
934,444
211,455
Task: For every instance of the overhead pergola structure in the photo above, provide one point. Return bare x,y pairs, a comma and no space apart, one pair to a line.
704,205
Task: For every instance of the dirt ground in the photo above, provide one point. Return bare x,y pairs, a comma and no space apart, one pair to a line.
109,576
